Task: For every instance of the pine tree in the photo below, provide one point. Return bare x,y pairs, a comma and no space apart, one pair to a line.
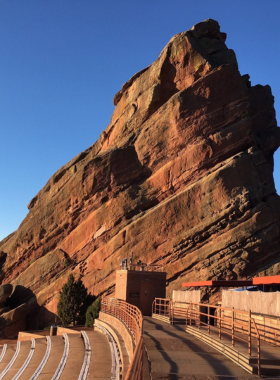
73,302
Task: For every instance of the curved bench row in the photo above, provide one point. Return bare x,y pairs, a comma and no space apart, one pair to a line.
44,360
27,361
81,350
115,369
64,358
11,362
86,363
4,349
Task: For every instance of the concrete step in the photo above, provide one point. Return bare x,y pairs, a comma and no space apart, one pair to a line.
161,318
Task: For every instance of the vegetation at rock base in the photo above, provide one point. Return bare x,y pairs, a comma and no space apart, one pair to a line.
93,312
73,302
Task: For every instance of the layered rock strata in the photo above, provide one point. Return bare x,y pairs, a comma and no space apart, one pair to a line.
182,177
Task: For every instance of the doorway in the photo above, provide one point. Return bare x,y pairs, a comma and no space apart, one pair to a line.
146,298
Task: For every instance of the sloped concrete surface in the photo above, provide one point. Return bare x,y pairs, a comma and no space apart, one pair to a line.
175,354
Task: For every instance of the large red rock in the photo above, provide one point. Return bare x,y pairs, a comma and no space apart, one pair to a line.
182,177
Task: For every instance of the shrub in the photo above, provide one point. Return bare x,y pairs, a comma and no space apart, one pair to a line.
93,312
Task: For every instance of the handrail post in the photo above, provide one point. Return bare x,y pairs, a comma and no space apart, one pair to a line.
259,355
232,328
199,326
259,346
249,334
208,317
220,322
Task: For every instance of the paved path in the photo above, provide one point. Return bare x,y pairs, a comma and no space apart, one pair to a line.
175,354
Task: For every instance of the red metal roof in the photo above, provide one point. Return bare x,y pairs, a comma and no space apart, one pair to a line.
231,283
267,280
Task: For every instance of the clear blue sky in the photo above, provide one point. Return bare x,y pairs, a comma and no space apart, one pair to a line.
62,61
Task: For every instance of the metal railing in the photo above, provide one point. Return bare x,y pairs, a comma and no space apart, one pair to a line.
236,324
161,309
132,318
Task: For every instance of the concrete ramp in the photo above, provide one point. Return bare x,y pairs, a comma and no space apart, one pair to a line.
175,354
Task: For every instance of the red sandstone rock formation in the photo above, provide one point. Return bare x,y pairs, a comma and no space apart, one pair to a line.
182,177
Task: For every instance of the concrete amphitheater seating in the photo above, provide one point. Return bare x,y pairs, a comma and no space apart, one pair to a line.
71,355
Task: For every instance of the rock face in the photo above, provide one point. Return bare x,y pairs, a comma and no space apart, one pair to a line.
182,177
13,321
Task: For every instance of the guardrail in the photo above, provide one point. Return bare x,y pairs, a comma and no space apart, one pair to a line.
161,308
166,310
236,324
132,318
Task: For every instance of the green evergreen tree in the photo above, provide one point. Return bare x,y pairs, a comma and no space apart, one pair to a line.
93,312
73,302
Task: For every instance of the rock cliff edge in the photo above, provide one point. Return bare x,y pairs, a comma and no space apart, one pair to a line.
182,177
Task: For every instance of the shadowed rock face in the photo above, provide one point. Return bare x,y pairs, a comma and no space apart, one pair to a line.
182,177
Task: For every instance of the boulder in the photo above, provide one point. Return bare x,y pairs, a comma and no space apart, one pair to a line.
13,321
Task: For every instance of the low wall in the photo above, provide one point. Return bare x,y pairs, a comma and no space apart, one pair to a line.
121,328
257,302
25,336
185,297
65,330
265,309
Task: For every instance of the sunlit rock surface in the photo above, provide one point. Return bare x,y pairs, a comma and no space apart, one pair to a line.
182,177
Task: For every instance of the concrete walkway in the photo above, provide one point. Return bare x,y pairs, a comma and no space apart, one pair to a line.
174,354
